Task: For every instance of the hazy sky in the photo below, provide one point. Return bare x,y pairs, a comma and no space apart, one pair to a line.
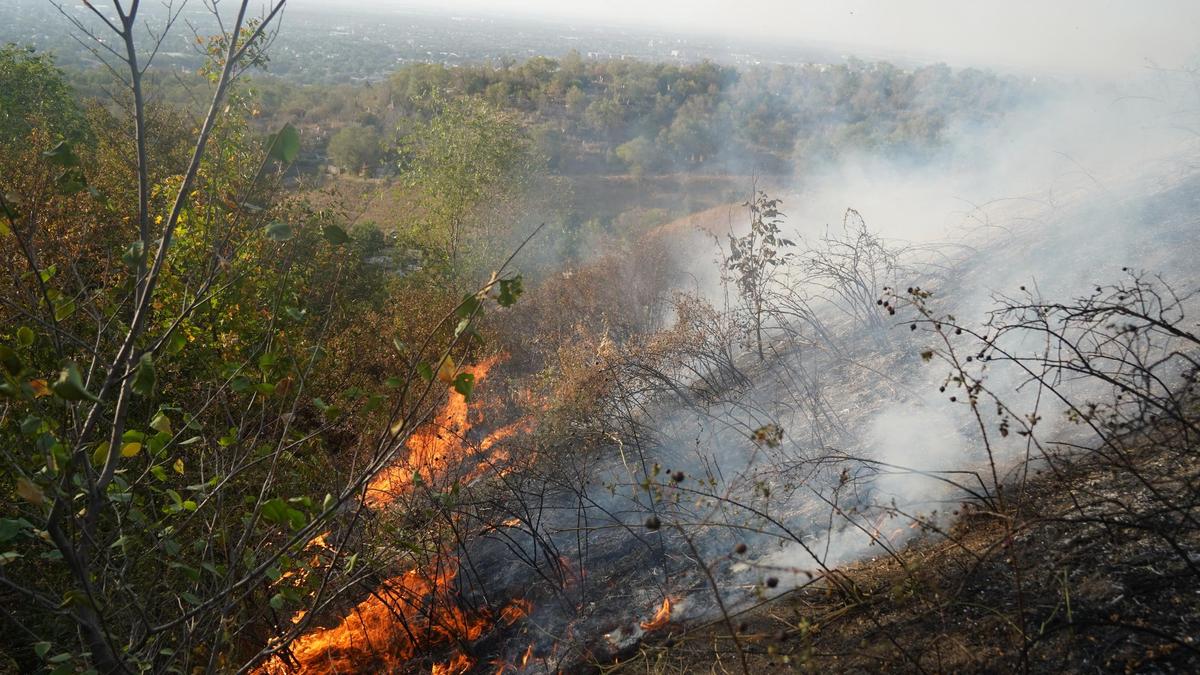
1084,36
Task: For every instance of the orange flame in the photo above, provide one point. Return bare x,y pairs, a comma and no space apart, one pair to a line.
441,446
416,610
661,618
458,665
431,449
515,611
503,666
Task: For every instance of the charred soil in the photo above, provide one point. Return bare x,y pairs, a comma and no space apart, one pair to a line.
1040,588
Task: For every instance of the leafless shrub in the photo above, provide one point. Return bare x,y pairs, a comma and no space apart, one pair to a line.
853,268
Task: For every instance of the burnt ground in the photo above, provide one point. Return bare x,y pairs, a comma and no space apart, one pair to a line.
1063,593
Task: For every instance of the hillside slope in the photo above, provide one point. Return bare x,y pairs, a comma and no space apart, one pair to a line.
1061,595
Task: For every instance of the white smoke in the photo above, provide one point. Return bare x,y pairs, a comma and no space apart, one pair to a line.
1057,199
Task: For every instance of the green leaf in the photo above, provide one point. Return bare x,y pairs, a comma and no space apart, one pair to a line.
275,511
8,207
176,342
464,384
25,336
62,155
11,527
161,423
467,327
99,195
71,182
8,359
469,305
285,145
100,454
335,235
463,325
510,290
158,442
279,231
64,309
188,571
425,371
70,387
133,254
144,378
31,425
296,519
373,403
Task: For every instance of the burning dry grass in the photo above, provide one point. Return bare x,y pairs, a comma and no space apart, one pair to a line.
661,617
442,447
418,612
407,615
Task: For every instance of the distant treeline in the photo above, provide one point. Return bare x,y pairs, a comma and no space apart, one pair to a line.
613,116
588,116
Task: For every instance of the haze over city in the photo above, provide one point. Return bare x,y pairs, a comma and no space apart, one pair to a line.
1097,38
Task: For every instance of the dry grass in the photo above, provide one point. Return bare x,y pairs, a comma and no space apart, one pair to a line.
1090,599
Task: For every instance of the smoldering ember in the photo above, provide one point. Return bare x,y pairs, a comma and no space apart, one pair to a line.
392,336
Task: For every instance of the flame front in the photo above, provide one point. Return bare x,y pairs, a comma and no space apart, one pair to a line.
525,658
403,614
417,610
661,618
458,665
436,448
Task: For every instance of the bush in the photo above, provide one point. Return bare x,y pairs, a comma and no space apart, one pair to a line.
356,147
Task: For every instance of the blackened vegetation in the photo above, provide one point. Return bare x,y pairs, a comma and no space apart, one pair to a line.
1083,554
